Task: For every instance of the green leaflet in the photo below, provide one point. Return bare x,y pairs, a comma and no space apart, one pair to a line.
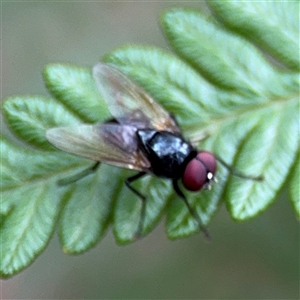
272,25
220,86
271,144
226,60
88,206
76,89
128,208
26,230
29,205
37,114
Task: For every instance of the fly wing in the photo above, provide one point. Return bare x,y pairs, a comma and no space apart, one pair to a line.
109,143
129,103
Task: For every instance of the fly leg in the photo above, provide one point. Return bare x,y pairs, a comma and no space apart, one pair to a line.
237,173
191,210
79,175
128,183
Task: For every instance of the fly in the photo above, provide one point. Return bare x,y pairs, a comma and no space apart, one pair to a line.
144,137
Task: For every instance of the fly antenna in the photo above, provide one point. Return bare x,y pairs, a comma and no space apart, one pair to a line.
236,173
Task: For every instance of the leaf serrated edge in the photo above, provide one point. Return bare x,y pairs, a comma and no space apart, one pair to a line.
36,253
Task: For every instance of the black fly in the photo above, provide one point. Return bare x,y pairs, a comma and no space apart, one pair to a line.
145,138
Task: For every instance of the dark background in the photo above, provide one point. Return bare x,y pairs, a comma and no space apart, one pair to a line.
258,259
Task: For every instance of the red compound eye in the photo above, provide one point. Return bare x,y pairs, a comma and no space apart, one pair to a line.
209,160
196,172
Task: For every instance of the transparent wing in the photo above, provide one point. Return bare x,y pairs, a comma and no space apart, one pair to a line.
129,103
110,143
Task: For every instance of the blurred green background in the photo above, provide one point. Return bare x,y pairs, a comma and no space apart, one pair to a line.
255,260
